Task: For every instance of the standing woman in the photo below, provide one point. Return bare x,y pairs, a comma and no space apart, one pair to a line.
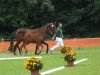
58,35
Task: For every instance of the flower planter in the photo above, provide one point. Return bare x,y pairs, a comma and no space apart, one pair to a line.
70,64
35,72
33,65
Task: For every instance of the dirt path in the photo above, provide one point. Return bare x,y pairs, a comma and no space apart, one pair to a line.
74,43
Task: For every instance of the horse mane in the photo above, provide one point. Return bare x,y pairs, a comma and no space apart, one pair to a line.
47,24
44,26
40,29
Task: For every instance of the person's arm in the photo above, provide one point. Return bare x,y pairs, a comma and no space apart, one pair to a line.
55,34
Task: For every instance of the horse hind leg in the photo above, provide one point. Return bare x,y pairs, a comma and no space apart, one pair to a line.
41,49
23,45
26,51
21,50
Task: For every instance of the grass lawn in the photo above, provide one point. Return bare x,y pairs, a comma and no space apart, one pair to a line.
55,60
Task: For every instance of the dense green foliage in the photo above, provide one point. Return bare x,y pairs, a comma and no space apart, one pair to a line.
79,17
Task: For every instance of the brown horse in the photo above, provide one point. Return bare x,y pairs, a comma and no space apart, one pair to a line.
31,36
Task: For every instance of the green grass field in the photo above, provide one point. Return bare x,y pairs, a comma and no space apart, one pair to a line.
50,61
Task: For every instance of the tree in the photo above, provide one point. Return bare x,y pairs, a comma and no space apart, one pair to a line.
80,18
18,13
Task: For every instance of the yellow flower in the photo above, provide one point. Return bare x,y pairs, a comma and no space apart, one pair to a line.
30,63
34,63
28,67
37,64
27,62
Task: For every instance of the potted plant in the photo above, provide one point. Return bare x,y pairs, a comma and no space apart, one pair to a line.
34,65
70,57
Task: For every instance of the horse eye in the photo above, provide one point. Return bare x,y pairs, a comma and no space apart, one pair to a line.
52,25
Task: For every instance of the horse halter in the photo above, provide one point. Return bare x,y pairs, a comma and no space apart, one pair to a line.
51,28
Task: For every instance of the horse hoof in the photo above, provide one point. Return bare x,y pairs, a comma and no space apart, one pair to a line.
21,54
46,52
15,54
26,52
37,53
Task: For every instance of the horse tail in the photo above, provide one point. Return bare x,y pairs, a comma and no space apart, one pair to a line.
12,41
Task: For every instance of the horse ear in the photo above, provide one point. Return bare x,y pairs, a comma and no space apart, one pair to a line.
51,25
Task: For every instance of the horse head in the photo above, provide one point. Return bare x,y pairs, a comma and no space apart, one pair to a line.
51,28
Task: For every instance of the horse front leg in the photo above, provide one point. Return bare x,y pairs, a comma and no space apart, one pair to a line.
36,49
21,47
47,46
15,50
40,50
24,48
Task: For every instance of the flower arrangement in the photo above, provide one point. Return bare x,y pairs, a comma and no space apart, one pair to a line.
33,64
70,55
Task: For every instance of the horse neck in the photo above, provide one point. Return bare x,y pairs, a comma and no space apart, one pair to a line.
43,31
36,30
